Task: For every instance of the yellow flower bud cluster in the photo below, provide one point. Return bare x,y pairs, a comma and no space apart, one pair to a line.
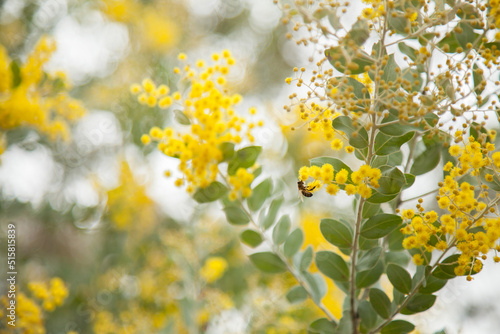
319,121
52,294
373,12
472,222
209,111
36,99
151,95
29,316
128,204
241,184
213,269
495,12
361,181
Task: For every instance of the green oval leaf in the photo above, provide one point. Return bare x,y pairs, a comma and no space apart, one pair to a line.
297,294
359,32
449,44
359,139
259,194
397,129
467,35
419,303
378,198
398,327
281,230
385,144
268,262
213,192
370,209
293,243
409,179
400,258
236,216
269,219
332,265
257,171
336,57
336,163
407,50
368,277
398,22
16,73
317,285
369,259
181,117
337,233
432,285
395,240
446,269
380,303
399,278
380,225
392,180
367,315
322,326
479,80
344,124
306,259
251,238
227,151
243,158
426,161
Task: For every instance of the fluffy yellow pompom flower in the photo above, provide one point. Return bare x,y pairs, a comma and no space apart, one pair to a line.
40,100
342,176
213,269
52,294
336,144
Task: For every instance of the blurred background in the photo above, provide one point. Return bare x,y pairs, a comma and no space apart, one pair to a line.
92,206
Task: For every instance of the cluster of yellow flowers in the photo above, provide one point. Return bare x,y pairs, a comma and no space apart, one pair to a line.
360,183
128,204
29,315
318,117
151,95
136,319
152,21
30,97
52,294
319,120
375,10
213,269
208,109
154,306
495,12
241,184
472,223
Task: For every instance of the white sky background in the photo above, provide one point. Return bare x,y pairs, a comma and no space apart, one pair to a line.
92,47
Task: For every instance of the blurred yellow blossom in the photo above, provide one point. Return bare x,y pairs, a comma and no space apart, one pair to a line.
52,294
152,22
29,314
213,269
32,98
128,205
